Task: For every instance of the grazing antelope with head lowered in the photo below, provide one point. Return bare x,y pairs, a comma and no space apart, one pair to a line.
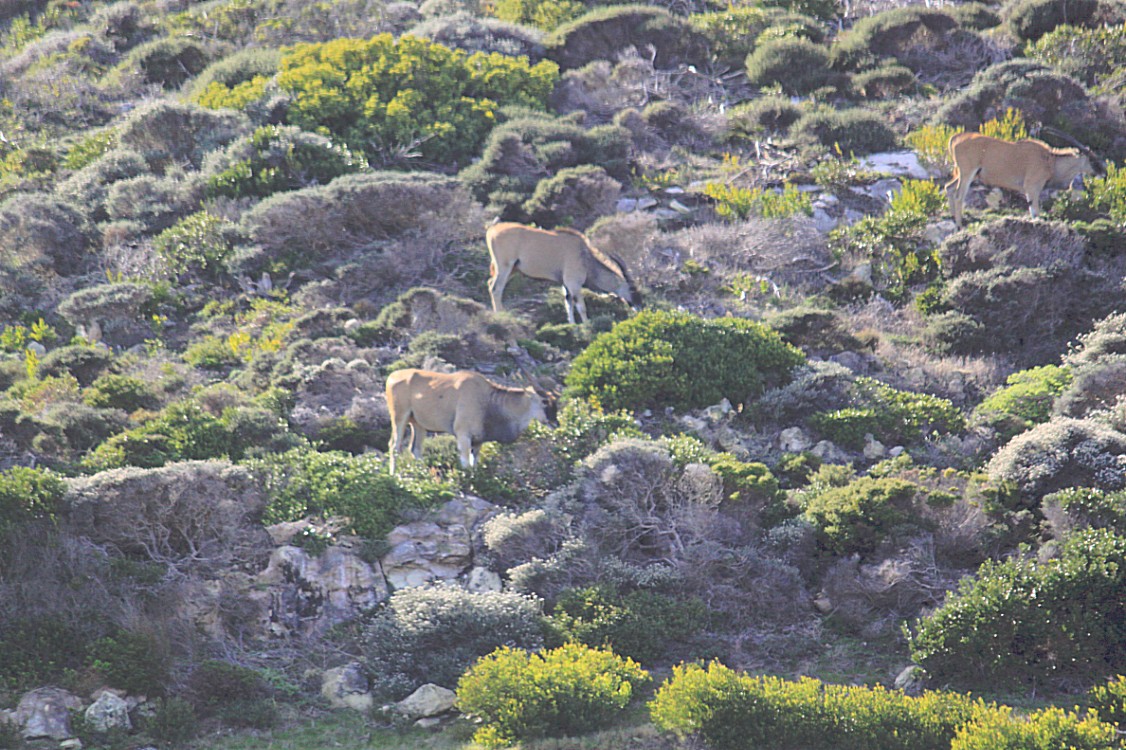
465,404
1024,166
561,255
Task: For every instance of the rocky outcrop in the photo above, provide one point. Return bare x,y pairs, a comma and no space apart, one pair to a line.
347,687
109,711
429,700
45,713
438,549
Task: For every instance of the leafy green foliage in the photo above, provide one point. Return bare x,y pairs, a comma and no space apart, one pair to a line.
28,494
847,131
562,692
1026,399
1047,728
543,14
931,144
383,94
733,711
1102,196
135,662
1022,621
38,649
887,413
1031,19
1088,507
639,624
857,517
735,203
1090,55
196,244
657,359
237,695
275,158
301,482
1109,699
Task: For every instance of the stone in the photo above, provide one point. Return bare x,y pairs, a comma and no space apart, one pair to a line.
861,274
911,680
71,744
428,722
716,412
45,713
625,205
937,231
794,440
424,551
823,221
429,700
347,687
309,595
899,163
873,449
822,604
693,423
109,711
893,452
481,580
830,453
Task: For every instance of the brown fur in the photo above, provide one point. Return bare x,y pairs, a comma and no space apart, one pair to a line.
564,256
1024,166
464,404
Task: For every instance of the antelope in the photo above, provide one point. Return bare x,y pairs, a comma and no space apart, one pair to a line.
465,404
561,255
1024,166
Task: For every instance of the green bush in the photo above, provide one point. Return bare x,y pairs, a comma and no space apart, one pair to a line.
889,34
1062,453
1090,55
169,61
1031,19
275,158
301,482
731,711
1109,700
851,131
1048,728
135,662
765,115
563,692
542,14
196,244
884,82
574,196
1088,507
384,94
1027,622
237,68
735,203
167,133
604,30
237,695
639,624
28,494
40,649
433,634
797,65
657,359
174,721
85,363
732,33
112,391
1026,400
855,518
888,414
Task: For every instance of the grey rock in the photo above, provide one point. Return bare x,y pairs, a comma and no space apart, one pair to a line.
347,687
109,711
794,440
429,700
45,713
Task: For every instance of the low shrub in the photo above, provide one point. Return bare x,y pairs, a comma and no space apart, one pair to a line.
1031,19
889,34
472,33
168,62
798,66
574,197
887,413
731,33
598,33
1049,727
113,391
658,359
173,721
542,14
433,634
731,711
884,82
851,131
28,494
43,236
1109,700
1085,508
237,68
639,625
567,691
765,115
1024,622
855,518
136,662
1026,400
735,203
1090,55
167,133
237,695
85,363
931,144
197,244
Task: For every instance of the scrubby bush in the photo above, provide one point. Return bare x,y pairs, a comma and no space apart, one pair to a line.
658,359
599,33
28,494
542,14
1085,508
1031,19
1062,453
521,152
1109,700
797,65
573,197
167,133
237,695
639,625
1026,400
891,33
1090,55
433,634
85,363
113,391
136,662
1049,727
889,414
884,82
173,721
169,61
563,692
41,235
275,158
737,203
1022,621
731,33
731,711
855,518
237,68
765,115
197,244
412,94
855,131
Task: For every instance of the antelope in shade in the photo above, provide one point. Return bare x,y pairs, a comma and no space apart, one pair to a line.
466,404
1024,166
561,255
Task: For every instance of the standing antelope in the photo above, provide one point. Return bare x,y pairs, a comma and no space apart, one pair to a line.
561,255
464,403
1024,166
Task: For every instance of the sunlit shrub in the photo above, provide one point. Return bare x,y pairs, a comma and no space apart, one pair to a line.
1022,621
1109,699
736,203
658,359
384,94
543,14
1091,55
605,29
563,692
850,131
797,65
930,144
195,244
1031,19
889,414
857,517
1026,399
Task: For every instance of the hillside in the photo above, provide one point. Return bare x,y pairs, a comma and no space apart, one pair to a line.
819,449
